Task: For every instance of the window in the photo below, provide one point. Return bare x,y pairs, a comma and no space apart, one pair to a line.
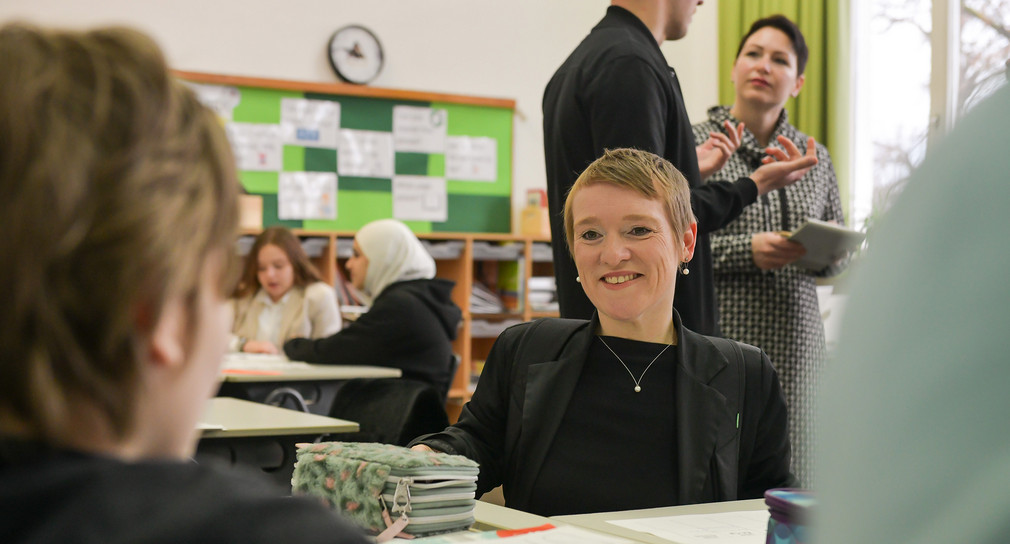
919,65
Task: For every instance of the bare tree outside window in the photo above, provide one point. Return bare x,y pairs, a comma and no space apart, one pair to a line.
894,70
985,50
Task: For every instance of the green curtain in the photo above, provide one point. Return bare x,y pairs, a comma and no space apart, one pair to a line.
823,108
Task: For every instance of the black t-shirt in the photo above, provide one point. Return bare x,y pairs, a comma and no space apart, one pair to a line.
50,495
615,448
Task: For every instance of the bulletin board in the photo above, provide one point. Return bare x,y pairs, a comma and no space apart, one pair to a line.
439,162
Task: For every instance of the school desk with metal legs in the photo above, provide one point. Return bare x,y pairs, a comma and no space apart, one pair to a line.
275,379
237,432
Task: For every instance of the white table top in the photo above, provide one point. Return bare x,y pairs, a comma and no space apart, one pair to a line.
226,417
598,522
245,367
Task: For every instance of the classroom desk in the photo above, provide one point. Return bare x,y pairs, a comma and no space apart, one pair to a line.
242,433
256,377
598,522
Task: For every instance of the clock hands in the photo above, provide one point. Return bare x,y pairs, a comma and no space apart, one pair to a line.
355,51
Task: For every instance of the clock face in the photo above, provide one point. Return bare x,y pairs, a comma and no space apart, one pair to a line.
355,54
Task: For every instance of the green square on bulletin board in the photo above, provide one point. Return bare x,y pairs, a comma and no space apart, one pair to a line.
259,182
360,113
477,213
261,105
436,165
355,209
270,215
411,164
320,160
293,158
372,185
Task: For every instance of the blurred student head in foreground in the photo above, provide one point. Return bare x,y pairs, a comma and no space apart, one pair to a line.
119,213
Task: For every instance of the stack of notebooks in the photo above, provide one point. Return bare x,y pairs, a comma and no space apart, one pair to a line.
543,294
389,489
484,301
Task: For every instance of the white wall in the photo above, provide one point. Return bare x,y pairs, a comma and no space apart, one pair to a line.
494,48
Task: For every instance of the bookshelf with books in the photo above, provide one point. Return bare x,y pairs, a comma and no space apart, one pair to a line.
500,272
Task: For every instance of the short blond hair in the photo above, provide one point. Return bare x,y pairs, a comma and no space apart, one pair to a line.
646,173
118,186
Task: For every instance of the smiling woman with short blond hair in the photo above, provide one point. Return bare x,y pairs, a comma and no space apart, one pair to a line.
629,409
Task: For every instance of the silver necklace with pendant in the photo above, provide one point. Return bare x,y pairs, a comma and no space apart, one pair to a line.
638,382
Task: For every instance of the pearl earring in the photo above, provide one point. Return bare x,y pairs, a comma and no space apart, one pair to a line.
685,271
578,279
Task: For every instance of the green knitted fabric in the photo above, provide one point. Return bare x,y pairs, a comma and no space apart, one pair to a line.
350,476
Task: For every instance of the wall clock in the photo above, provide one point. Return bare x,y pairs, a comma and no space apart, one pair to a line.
355,54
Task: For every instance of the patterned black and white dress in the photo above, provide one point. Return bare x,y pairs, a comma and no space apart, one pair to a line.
776,310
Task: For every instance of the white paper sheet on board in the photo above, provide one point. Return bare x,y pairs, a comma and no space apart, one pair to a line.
307,195
222,99
365,153
310,123
420,198
471,159
419,130
256,146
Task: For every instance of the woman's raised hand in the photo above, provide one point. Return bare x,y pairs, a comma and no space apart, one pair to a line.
784,166
718,148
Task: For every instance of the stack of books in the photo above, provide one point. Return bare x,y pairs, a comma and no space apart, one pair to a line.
484,301
543,294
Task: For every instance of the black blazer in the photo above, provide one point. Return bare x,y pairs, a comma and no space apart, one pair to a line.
510,422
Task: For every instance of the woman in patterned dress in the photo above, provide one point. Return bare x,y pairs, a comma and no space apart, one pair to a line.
764,299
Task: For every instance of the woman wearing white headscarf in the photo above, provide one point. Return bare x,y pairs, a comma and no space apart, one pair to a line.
412,320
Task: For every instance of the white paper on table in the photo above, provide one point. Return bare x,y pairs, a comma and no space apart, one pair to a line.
259,361
257,146
307,195
365,153
222,99
310,123
419,130
746,527
420,198
471,159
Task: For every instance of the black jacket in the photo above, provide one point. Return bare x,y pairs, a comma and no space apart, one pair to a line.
616,90
510,423
410,326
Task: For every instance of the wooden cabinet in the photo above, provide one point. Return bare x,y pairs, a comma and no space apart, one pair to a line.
467,259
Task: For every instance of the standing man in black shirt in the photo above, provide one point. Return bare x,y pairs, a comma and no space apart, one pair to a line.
616,90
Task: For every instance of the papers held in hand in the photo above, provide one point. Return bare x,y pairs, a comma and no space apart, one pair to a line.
825,243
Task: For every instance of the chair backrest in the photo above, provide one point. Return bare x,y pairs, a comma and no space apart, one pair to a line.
284,395
390,411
